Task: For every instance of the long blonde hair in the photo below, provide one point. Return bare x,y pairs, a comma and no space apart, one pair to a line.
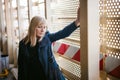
31,36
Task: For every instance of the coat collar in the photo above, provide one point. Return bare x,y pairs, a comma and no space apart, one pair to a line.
45,41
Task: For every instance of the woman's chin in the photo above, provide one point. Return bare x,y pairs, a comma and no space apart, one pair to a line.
39,37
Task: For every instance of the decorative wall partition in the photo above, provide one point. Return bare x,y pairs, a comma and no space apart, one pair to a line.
110,35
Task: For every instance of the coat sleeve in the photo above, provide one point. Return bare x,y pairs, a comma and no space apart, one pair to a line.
65,32
21,62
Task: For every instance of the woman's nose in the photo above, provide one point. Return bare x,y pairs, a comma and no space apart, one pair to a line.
42,29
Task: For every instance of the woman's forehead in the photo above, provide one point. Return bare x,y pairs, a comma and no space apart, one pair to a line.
42,24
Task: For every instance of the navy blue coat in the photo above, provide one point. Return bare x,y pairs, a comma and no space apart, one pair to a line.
38,63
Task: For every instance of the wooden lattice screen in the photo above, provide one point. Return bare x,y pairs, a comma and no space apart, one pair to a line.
110,27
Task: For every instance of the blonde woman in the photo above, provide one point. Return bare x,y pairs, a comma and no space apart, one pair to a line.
35,59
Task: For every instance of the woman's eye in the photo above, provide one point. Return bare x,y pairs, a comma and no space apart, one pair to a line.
39,26
42,27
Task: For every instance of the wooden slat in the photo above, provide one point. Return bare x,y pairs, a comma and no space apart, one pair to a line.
9,33
3,30
13,33
1,25
29,10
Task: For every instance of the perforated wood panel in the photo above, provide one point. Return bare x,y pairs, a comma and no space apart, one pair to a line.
110,27
64,12
70,66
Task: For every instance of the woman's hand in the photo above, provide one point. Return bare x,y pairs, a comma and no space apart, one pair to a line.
77,21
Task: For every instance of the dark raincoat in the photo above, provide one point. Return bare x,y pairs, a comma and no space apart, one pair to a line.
38,63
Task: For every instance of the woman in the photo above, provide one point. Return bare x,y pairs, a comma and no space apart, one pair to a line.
35,59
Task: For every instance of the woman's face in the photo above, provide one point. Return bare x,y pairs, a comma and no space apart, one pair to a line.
40,30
